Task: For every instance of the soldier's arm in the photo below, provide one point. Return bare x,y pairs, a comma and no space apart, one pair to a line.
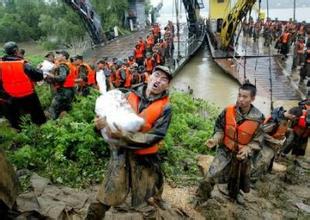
83,73
269,127
34,74
141,140
62,75
220,122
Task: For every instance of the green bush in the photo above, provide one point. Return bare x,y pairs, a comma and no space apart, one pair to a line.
70,152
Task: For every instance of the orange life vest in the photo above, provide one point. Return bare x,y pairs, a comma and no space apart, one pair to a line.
138,53
157,58
150,41
69,82
15,82
285,37
150,116
91,74
281,130
128,78
149,65
301,128
237,135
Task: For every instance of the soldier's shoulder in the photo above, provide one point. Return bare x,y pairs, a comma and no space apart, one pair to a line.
256,114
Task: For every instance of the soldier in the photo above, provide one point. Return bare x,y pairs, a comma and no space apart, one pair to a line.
275,128
17,93
299,52
134,164
86,75
63,81
237,134
300,132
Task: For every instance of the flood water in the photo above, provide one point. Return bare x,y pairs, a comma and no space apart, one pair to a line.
211,83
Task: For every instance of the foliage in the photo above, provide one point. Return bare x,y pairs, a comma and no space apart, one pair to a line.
70,152
192,124
53,23
110,12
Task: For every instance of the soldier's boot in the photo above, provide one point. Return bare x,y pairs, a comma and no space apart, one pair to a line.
96,211
205,188
240,199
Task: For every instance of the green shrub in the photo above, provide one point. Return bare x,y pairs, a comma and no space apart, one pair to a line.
70,152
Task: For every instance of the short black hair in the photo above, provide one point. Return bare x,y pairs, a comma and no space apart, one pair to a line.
249,87
297,111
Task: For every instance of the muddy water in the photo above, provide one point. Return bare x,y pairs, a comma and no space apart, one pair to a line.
209,82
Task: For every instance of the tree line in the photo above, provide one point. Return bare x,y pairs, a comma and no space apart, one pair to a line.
52,22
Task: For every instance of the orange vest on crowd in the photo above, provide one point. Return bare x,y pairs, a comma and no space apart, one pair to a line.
157,58
91,74
150,41
128,78
281,130
15,82
150,116
149,65
142,45
138,53
69,82
236,135
285,37
301,129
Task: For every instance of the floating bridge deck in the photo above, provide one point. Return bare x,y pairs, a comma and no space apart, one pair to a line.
250,60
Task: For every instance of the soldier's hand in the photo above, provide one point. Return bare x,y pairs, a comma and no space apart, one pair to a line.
117,133
100,122
244,152
211,143
50,76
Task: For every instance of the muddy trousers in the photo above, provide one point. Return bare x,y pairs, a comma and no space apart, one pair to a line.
16,107
225,168
61,102
127,172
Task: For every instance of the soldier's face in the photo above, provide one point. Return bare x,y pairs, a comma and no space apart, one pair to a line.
245,99
158,82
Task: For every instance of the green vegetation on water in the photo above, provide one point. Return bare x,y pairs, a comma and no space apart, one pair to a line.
69,151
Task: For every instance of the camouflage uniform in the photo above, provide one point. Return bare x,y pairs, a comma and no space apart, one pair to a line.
224,162
295,143
63,96
8,185
83,87
263,160
127,172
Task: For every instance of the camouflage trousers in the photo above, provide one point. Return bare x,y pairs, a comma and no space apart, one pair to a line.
61,102
127,172
262,161
224,169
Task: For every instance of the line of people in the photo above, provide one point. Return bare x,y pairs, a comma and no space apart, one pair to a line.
284,35
248,143
69,76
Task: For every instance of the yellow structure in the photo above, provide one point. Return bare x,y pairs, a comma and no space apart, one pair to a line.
218,8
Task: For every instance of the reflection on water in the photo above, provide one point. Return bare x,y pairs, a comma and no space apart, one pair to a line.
209,82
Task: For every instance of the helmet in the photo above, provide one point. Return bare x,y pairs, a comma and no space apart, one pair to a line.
10,47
